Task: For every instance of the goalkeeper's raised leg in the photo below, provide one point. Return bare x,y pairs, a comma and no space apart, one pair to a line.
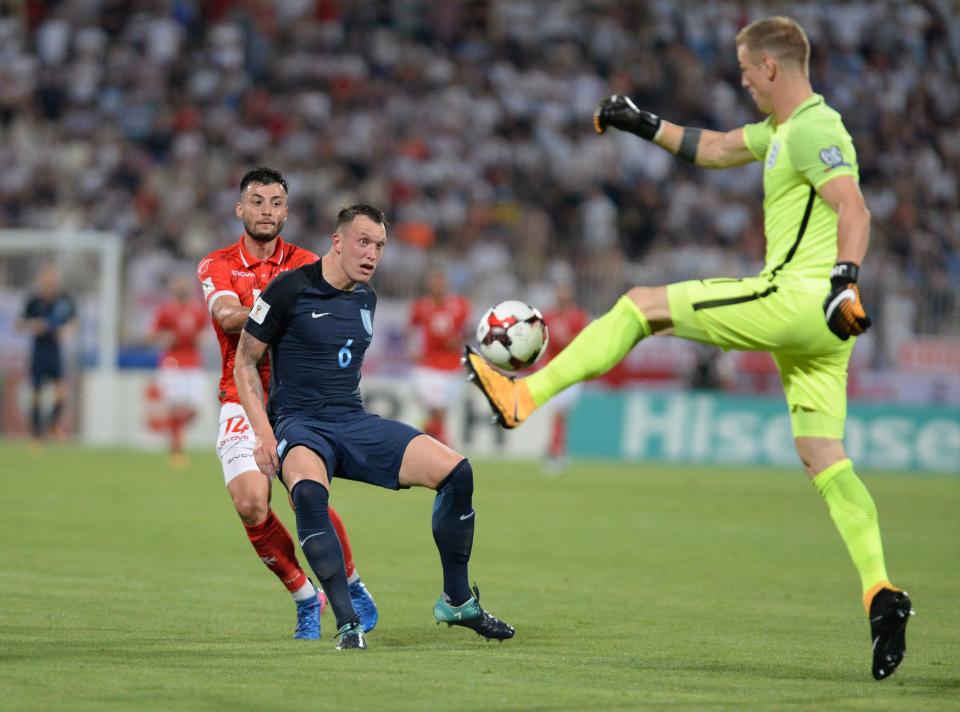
595,350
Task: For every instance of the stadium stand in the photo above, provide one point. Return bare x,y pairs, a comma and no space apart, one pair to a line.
470,122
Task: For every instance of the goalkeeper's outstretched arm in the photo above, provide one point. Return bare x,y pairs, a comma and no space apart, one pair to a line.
710,149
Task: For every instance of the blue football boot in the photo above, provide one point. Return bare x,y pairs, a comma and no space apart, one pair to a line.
364,606
308,617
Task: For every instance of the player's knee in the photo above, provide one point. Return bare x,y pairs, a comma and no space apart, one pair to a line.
459,481
252,507
805,459
638,295
653,303
642,297
251,510
453,507
817,454
310,497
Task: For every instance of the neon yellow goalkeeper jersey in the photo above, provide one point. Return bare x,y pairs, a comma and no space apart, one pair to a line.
800,155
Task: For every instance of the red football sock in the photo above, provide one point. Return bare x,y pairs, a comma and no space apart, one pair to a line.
435,429
178,423
344,541
176,435
558,437
429,426
275,549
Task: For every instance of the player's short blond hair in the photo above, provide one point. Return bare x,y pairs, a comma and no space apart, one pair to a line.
779,36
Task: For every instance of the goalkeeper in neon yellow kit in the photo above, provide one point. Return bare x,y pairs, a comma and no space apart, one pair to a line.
803,308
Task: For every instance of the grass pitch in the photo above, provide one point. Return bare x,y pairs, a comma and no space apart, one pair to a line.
127,585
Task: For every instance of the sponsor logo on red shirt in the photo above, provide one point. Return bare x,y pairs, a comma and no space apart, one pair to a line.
233,271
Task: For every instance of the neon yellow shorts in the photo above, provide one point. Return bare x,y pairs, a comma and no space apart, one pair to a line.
757,314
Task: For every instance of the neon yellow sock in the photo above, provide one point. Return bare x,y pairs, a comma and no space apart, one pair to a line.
597,349
853,511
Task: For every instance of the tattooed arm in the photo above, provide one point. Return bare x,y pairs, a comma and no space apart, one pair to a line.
250,351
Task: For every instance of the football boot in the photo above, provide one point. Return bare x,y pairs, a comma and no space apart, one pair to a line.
350,636
889,613
471,615
509,398
364,605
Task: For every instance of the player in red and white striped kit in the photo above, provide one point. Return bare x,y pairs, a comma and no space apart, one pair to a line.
232,278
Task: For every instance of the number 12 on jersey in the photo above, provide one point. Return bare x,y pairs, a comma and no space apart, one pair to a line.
236,424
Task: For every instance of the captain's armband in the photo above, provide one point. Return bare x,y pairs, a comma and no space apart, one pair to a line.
689,143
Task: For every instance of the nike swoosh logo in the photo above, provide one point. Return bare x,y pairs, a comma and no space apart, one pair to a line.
845,295
317,316
305,539
464,517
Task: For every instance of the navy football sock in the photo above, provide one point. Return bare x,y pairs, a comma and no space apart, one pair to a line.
36,421
321,547
453,518
55,415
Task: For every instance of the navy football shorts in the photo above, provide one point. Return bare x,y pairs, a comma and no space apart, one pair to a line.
45,366
358,446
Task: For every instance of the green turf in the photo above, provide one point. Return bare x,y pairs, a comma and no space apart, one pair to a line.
126,585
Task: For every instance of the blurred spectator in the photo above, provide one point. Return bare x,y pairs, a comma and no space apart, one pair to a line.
464,117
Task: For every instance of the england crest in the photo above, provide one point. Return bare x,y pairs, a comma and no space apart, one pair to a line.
772,155
367,318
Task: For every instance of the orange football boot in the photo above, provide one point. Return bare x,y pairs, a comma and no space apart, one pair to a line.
509,398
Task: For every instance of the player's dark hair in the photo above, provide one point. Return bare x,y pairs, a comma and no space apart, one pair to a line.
263,176
350,213
781,36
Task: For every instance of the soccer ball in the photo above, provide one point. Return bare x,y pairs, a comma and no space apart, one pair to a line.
512,335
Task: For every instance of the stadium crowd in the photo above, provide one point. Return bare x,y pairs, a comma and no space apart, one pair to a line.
469,121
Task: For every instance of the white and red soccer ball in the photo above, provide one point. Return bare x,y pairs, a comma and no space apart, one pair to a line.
512,335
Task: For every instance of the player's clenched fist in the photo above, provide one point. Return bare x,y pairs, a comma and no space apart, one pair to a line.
845,313
621,113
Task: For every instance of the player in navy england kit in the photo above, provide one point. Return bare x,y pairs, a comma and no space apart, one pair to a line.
318,323
46,314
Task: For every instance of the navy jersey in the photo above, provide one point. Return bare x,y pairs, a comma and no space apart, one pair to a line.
318,336
56,313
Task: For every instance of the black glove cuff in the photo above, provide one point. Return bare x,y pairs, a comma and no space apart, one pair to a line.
649,125
844,273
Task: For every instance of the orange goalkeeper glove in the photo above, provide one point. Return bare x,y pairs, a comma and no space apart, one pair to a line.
845,313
